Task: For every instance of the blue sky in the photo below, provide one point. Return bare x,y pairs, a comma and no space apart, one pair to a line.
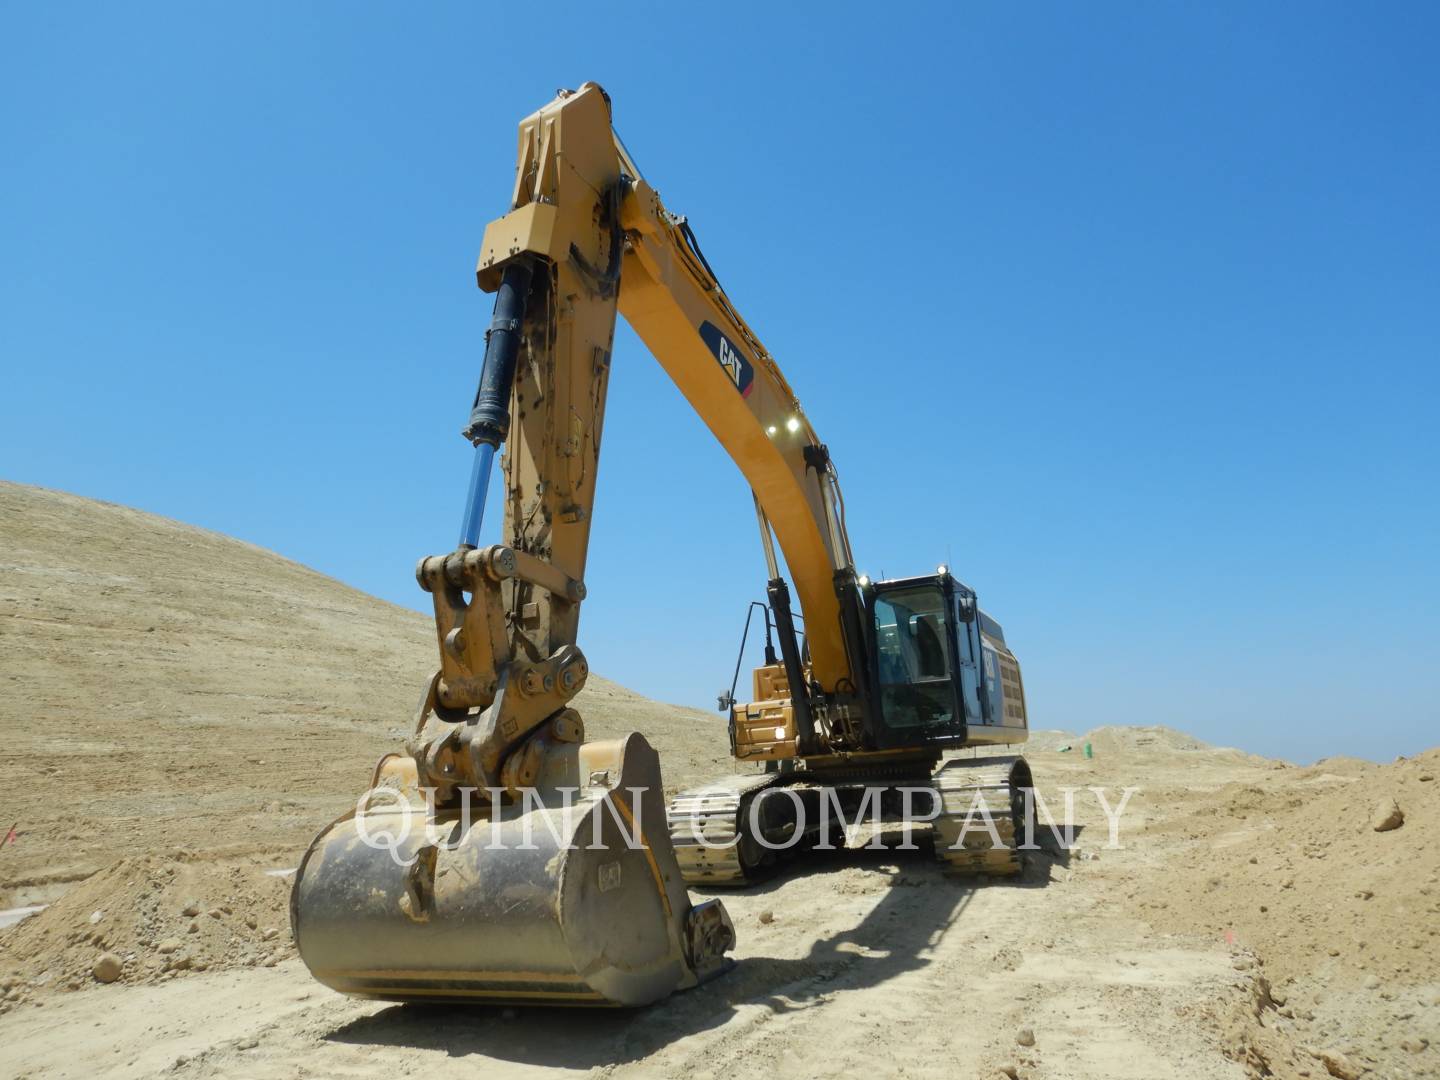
1131,313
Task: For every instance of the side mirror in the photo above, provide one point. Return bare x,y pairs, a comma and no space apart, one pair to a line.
965,608
725,702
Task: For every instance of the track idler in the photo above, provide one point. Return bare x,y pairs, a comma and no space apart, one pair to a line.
569,895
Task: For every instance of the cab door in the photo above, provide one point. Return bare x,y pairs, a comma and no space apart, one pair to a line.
967,652
914,671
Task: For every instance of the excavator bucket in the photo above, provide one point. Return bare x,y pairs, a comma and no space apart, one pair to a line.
571,895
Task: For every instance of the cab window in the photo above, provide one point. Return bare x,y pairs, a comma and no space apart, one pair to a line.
914,661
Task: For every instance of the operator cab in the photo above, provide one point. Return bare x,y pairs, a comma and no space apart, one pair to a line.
942,674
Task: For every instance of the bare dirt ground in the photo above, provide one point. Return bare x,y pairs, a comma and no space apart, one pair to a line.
181,711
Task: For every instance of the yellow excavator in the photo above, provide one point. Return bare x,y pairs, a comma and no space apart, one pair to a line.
500,855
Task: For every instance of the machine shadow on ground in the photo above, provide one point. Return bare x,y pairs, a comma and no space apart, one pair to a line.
918,905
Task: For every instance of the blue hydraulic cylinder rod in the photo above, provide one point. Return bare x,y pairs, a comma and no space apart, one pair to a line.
475,501
490,415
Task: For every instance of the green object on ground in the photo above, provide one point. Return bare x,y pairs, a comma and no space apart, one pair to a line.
1089,753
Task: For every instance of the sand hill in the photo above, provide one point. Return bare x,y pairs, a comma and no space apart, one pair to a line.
181,712
188,690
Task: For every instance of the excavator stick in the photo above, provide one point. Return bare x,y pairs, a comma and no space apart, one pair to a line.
573,896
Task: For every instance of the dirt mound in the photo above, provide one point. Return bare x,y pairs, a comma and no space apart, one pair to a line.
1154,738
1052,740
157,918
194,691
1342,765
1344,916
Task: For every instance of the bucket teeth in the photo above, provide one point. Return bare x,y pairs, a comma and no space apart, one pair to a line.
709,935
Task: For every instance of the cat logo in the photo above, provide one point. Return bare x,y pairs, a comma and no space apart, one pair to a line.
741,373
